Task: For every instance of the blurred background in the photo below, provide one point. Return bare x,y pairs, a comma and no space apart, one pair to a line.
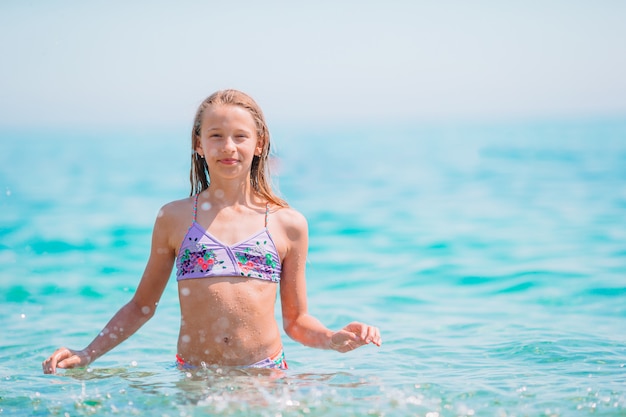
149,63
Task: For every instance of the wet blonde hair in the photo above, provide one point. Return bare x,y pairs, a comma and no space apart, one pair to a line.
259,172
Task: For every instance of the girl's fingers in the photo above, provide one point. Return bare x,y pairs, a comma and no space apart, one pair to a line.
371,334
358,329
48,366
61,358
363,332
70,362
356,335
375,336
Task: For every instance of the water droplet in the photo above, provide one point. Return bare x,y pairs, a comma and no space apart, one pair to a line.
145,310
185,291
8,193
221,323
219,194
186,338
206,206
160,213
23,315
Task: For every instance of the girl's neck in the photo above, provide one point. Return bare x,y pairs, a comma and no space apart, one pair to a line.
231,193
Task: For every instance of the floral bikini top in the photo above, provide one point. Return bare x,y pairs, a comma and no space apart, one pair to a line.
201,255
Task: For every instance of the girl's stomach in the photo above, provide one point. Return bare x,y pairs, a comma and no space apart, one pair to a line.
227,321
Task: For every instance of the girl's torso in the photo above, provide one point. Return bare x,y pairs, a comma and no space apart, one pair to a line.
227,291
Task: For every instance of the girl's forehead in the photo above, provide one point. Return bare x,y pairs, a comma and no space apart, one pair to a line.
226,114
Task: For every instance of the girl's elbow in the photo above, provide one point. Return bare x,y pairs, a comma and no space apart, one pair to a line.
145,310
291,328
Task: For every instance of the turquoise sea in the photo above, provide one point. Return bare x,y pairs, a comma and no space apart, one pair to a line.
492,257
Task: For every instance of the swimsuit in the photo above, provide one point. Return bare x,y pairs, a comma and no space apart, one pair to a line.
202,255
275,361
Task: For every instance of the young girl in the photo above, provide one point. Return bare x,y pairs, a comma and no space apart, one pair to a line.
233,242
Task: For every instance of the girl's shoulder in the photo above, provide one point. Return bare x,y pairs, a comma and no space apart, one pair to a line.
177,206
290,219
177,210
173,219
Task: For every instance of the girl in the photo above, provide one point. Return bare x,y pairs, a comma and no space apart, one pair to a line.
233,241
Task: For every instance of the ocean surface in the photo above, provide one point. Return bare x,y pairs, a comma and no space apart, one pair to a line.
491,256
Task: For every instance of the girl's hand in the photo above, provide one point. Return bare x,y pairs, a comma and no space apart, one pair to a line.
354,335
65,358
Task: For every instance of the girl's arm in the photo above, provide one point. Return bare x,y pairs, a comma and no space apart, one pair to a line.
297,322
132,315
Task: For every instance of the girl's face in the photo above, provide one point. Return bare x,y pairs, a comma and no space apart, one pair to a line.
228,141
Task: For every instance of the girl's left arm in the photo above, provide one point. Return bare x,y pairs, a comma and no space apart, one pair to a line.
297,322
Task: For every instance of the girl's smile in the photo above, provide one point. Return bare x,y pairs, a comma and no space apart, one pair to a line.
228,161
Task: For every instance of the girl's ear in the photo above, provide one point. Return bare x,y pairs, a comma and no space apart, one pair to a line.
198,149
259,147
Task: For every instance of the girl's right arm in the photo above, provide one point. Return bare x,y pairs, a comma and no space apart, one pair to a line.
136,312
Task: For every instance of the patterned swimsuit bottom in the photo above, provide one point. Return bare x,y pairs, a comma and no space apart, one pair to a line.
275,361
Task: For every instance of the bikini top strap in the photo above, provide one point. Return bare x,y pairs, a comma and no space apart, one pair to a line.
195,207
267,212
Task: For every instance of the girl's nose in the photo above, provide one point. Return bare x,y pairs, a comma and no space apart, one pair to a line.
229,144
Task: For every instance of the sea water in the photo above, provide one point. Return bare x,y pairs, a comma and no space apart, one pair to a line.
492,257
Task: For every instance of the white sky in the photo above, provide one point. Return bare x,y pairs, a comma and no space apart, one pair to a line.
149,63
